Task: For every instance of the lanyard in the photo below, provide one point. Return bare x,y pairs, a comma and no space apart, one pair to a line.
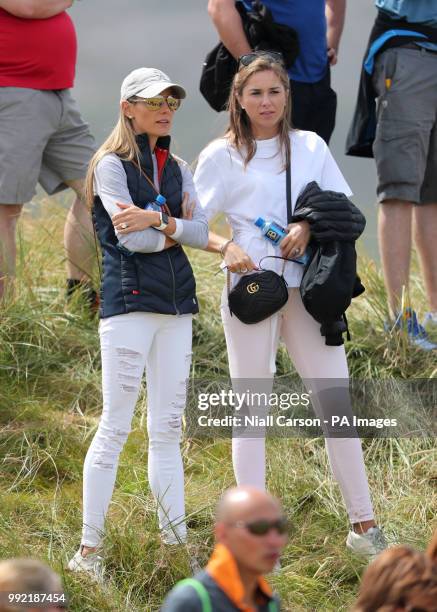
152,184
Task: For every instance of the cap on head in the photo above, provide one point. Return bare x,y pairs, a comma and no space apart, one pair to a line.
147,83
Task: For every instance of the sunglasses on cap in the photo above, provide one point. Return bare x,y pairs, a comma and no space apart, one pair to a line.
248,58
263,526
157,102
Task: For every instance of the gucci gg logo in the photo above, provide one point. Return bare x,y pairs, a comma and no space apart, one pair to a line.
252,288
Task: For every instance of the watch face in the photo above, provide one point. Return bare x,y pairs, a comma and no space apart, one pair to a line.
164,218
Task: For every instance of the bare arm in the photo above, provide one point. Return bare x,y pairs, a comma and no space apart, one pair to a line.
335,14
35,9
234,257
228,24
215,243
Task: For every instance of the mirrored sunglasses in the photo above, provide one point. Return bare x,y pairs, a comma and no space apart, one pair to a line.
157,102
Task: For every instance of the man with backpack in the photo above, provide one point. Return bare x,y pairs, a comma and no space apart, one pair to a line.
318,27
250,533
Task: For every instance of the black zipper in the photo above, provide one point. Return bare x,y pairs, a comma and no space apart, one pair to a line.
168,254
174,284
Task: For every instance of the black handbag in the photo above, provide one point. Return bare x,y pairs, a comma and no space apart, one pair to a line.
262,33
259,295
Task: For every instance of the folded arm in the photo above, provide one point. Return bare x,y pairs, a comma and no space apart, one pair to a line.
110,184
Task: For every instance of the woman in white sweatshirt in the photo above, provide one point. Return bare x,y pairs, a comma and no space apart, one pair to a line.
243,176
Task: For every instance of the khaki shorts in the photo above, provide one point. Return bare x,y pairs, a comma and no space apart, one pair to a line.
43,139
405,146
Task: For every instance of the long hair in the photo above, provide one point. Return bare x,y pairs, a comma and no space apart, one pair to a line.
400,578
120,141
239,132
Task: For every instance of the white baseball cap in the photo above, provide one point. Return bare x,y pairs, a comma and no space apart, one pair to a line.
147,83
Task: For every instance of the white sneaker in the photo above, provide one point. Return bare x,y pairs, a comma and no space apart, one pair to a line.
368,544
195,566
92,564
430,321
277,567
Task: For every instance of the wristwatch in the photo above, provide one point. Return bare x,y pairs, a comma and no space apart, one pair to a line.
163,217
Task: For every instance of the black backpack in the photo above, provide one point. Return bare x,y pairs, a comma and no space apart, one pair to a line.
262,33
328,285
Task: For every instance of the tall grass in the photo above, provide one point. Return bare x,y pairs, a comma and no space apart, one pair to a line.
50,401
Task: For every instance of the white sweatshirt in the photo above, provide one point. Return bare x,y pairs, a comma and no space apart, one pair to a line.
224,185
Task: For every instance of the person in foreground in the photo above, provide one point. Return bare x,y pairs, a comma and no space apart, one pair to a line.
148,298
243,175
400,578
24,578
250,532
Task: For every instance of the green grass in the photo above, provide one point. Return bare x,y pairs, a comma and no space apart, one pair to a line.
49,406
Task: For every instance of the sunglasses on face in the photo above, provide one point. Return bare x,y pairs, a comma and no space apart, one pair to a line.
263,526
248,58
157,102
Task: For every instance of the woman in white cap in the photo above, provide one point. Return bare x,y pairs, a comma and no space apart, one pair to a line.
147,302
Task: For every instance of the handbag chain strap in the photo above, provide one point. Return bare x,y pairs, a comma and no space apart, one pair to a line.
289,218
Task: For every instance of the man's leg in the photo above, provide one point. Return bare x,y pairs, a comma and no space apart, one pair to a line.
394,237
25,126
9,214
425,235
65,162
79,240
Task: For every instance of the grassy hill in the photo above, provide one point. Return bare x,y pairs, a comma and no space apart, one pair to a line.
50,400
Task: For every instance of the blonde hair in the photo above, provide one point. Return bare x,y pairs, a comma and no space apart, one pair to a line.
239,132
121,141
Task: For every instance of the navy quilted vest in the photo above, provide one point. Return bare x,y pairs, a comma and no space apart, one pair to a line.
160,282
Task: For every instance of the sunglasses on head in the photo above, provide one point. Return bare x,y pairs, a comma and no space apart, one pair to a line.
157,102
263,526
248,58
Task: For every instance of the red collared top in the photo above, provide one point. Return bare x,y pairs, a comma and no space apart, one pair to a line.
37,53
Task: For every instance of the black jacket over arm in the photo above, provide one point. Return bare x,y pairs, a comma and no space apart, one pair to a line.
330,278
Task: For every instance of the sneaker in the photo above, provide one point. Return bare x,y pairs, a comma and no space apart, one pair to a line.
92,564
277,568
367,544
195,566
417,336
430,321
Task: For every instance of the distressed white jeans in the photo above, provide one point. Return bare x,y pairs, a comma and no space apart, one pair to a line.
129,343
251,353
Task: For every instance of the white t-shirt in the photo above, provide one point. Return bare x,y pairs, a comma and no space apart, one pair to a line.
259,190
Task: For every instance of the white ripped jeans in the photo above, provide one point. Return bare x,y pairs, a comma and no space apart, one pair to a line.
251,354
129,343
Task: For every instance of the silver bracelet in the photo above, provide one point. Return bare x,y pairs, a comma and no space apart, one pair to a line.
224,246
